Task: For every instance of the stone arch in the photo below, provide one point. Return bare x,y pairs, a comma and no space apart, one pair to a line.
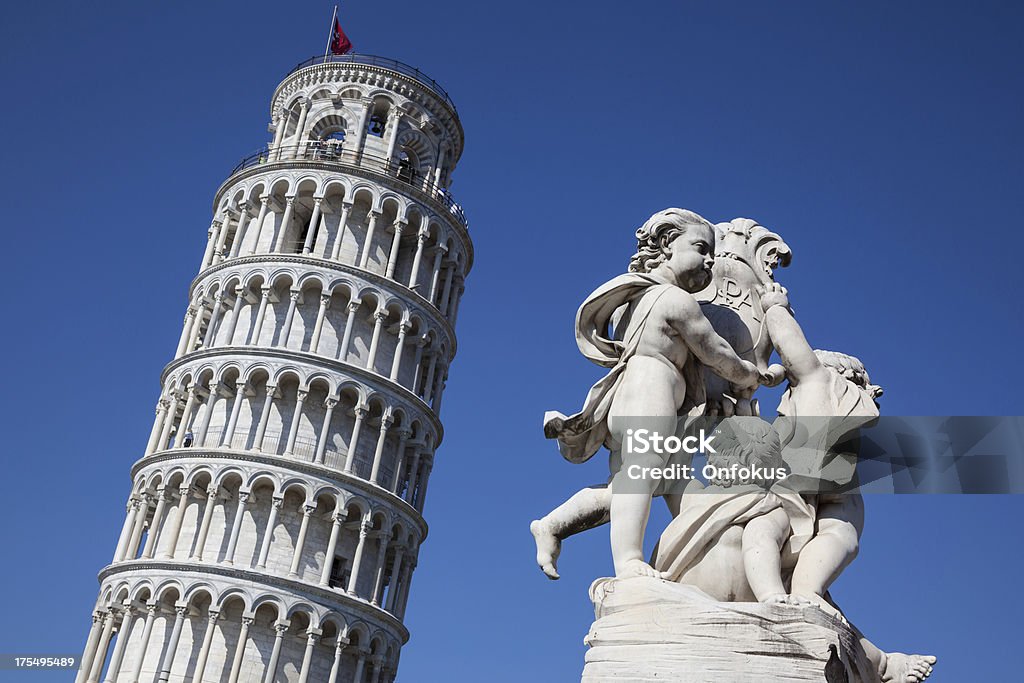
142,587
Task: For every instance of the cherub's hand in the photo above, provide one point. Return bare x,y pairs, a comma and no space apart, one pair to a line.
773,294
773,376
752,378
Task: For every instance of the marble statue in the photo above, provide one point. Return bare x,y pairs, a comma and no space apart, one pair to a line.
687,334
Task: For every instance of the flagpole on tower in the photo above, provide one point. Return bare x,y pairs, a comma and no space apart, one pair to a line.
330,34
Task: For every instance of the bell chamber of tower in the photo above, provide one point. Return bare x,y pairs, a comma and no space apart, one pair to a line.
275,518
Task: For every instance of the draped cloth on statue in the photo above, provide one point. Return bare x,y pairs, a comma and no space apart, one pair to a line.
822,451
623,306
705,514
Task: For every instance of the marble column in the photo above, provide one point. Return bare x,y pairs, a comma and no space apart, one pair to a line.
454,315
243,219
282,123
204,424
346,207
131,513
99,655
350,458
172,646
158,423
375,662
421,490
314,223
332,544
268,535
386,421
154,526
396,240
312,638
286,220
211,242
175,531
382,551
300,129
212,616
379,317
325,430
396,484
361,128
428,379
403,436
197,326
300,541
364,258
225,228
293,429
357,562
123,633
236,527
394,119
421,343
404,599
264,200
446,292
396,363
346,337
91,643
435,271
421,243
293,301
172,414
236,310
280,627
314,342
339,647
261,428
186,330
357,676
243,638
261,313
413,474
236,409
204,526
132,551
396,567
152,609
186,417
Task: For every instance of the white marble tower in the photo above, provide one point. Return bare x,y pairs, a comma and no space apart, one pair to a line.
275,517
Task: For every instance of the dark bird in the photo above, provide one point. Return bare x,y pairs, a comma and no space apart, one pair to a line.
835,670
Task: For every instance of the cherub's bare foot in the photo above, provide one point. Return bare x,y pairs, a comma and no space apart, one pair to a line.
638,568
548,548
812,600
901,668
776,599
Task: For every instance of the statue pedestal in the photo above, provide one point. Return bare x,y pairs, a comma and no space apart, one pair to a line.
652,630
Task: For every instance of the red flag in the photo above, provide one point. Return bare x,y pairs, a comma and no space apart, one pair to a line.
340,44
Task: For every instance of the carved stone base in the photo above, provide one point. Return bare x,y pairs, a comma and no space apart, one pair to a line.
652,630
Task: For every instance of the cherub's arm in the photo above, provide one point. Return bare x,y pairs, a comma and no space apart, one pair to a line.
689,321
787,337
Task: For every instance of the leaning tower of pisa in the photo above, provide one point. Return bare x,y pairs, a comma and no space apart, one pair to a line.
275,517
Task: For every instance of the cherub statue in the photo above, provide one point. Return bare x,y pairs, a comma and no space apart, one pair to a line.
738,541
657,342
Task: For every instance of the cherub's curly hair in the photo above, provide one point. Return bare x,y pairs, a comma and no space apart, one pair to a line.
849,367
660,229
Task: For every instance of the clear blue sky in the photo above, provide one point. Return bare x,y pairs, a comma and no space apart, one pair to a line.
882,140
